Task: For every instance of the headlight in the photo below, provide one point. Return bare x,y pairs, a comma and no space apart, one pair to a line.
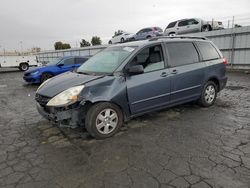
66,97
42,85
33,73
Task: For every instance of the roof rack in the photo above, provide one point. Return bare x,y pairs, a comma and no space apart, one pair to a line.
178,37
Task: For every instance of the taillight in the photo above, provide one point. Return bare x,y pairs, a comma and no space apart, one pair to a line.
225,61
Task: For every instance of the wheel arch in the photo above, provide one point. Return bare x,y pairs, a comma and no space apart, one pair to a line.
24,62
88,103
216,81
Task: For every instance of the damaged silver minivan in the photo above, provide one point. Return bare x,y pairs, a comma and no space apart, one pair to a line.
127,80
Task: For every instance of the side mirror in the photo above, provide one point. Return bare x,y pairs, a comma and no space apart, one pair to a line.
136,69
60,65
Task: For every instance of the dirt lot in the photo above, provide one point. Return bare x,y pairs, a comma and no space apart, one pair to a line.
186,146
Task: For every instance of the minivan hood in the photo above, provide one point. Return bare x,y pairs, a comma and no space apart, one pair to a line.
65,81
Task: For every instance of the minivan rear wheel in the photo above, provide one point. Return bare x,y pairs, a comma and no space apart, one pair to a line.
209,94
103,120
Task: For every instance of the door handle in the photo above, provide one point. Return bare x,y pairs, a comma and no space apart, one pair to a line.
164,74
174,71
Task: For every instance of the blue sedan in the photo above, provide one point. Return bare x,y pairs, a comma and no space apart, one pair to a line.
58,66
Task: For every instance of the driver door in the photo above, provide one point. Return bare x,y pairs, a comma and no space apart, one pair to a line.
151,89
67,65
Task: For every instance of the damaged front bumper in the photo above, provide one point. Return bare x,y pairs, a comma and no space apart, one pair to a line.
67,116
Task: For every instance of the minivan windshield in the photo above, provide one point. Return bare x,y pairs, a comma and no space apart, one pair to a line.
54,61
106,61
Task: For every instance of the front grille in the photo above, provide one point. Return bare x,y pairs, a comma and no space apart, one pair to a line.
42,100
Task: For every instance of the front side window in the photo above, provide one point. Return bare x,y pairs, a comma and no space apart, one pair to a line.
150,58
208,51
183,23
106,61
182,53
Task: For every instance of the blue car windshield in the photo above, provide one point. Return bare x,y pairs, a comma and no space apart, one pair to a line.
106,61
54,61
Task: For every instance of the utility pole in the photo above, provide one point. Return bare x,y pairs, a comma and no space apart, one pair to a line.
21,46
233,22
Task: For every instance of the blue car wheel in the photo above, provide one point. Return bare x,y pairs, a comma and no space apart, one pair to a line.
45,76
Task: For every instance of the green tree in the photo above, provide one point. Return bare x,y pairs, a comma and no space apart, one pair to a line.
66,46
59,45
117,32
96,40
84,43
237,25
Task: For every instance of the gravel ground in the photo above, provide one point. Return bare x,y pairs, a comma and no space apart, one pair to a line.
185,146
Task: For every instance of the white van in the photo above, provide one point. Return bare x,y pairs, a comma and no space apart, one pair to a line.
21,62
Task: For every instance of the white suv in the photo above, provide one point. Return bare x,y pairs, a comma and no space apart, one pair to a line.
191,25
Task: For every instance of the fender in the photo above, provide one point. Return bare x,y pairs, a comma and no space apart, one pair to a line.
109,89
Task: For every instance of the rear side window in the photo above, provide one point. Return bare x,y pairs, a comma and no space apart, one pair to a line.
172,24
208,51
182,53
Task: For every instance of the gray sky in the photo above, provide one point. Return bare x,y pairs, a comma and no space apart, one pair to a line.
43,22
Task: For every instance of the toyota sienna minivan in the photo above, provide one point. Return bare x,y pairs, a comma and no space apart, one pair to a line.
127,80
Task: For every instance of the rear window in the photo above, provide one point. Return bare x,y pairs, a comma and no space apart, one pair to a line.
182,53
172,24
158,29
208,51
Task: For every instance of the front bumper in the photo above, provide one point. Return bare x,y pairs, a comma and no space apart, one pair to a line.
32,79
69,116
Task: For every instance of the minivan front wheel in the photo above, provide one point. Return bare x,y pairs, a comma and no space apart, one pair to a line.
103,120
209,94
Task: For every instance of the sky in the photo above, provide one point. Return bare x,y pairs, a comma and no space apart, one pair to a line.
40,23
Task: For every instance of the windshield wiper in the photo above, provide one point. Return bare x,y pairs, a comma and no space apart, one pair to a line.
87,73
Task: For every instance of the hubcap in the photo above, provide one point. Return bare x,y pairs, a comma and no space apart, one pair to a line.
106,121
24,67
210,94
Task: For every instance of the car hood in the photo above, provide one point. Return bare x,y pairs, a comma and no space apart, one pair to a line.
34,69
65,81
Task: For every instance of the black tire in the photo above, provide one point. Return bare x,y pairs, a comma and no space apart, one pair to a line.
205,98
92,119
23,66
172,34
45,76
110,42
206,28
122,40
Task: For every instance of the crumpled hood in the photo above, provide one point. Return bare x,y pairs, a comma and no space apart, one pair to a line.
64,81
